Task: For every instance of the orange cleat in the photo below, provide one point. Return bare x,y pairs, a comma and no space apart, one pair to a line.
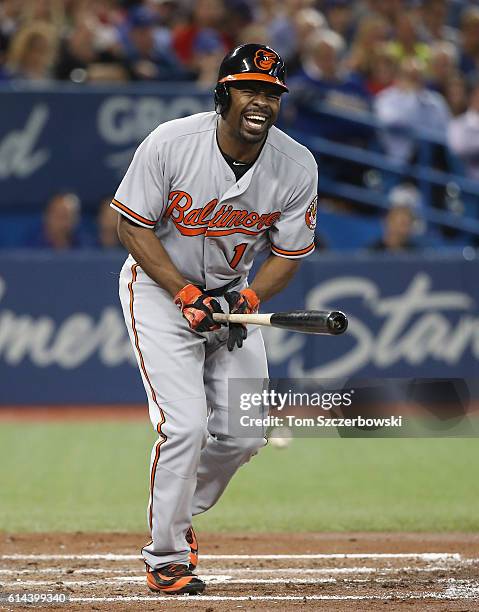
174,579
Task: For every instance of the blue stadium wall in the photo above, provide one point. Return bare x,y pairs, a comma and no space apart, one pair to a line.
63,339
79,138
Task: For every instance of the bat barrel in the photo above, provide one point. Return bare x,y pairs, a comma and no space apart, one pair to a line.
337,322
312,321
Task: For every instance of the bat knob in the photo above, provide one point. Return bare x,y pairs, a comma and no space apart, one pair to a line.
337,322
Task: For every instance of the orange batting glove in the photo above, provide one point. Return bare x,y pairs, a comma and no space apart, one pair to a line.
197,308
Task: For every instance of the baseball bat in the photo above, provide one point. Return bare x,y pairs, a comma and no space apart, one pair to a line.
331,322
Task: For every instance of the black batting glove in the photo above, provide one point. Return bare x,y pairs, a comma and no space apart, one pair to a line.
240,302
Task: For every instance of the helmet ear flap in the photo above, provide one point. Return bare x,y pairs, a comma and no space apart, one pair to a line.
222,98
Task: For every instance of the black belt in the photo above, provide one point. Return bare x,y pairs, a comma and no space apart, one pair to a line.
217,291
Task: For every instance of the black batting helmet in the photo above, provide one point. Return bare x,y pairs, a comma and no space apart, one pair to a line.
251,62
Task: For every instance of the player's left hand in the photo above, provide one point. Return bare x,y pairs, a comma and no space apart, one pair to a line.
240,302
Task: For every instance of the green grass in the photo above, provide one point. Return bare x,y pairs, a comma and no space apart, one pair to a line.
82,476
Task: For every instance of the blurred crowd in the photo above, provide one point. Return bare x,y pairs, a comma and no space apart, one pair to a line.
363,45
62,226
414,64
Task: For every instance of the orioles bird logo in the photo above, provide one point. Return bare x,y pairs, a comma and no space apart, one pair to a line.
264,59
310,216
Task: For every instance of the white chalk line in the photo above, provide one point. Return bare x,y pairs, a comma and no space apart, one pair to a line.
309,557
204,598
460,591
246,570
217,579
226,578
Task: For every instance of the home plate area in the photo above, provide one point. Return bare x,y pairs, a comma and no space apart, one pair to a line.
251,572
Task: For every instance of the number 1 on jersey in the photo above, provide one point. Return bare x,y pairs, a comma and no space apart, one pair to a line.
238,254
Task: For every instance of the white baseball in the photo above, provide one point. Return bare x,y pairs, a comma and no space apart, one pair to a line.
280,437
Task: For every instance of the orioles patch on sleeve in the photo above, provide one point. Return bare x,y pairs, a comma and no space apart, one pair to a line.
311,213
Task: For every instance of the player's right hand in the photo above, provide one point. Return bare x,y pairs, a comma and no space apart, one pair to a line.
197,308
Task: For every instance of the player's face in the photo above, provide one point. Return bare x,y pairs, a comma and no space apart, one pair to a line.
253,109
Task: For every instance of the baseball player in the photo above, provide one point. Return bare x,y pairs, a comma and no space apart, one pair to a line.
202,196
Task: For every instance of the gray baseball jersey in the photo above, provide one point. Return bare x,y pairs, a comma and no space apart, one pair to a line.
180,185
212,226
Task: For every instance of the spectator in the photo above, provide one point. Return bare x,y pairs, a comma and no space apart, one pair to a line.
206,14
209,52
406,42
389,9
47,11
279,20
456,94
400,221
434,26
306,23
265,11
108,15
146,55
253,32
80,49
168,12
406,107
340,17
383,71
322,81
107,221
32,52
443,66
371,34
9,17
60,227
76,51
469,40
463,135
239,15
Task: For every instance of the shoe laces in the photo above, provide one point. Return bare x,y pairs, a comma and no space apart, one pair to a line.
177,568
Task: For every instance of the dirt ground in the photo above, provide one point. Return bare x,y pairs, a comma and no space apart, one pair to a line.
337,572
